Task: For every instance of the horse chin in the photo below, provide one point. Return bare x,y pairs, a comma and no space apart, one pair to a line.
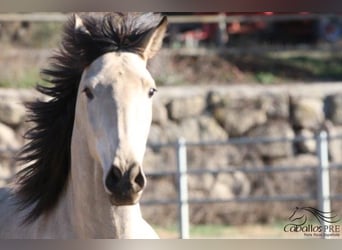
123,201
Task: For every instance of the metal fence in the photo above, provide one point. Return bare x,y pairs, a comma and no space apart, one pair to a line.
219,18
323,195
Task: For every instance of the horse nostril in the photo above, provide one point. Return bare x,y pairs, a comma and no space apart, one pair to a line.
137,178
117,174
125,185
140,181
113,178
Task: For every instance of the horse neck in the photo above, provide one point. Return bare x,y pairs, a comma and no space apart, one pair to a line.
91,213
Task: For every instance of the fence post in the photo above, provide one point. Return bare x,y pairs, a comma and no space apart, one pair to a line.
183,206
222,34
323,175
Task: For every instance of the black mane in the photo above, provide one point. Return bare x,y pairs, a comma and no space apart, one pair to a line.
47,153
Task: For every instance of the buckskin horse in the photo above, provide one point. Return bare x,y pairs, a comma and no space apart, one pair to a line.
83,174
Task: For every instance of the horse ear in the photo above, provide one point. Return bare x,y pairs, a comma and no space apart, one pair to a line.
79,26
154,39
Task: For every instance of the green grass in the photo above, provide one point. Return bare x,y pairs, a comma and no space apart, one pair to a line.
265,77
330,68
270,67
267,68
312,64
273,230
46,35
208,230
35,35
26,79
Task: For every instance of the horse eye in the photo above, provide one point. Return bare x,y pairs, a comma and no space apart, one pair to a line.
88,93
151,92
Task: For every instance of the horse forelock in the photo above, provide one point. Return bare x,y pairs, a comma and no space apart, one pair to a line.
47,153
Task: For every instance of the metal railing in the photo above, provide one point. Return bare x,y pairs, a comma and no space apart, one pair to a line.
323,195
182,171
220,18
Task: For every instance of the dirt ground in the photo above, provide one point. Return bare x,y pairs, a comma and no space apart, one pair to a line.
20,66
260,65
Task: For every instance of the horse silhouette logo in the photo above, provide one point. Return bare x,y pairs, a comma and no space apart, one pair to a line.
311,220
300,216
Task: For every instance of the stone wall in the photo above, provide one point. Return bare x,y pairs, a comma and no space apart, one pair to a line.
218,113
12,127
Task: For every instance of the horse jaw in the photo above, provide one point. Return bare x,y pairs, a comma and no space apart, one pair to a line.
92,214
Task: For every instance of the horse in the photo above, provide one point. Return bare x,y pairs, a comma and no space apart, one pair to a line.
82,174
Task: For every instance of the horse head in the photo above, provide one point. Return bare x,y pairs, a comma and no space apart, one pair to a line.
298,216
114,112
302,214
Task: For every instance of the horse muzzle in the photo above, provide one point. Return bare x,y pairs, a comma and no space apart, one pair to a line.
125,187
